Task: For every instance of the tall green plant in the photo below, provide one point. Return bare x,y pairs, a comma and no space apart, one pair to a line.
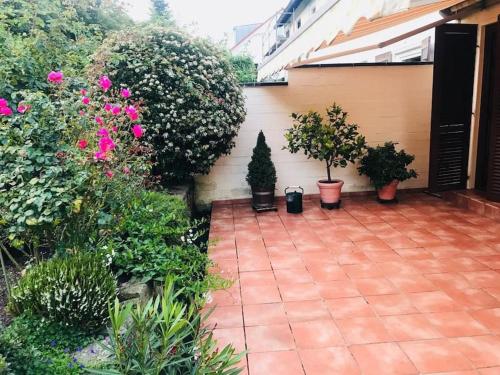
164,337
245,68
383,164
332,140
261,170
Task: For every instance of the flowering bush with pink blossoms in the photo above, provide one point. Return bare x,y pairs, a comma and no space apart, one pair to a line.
66,162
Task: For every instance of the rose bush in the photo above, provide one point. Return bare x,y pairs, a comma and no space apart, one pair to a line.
193,103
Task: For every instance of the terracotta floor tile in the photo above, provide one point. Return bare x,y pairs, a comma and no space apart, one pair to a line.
374,245
269,338
331,361
414,253
230,336
391,304
483,279
489,371
264,314
225,297
400,242
293,276
472,299
301,311
252,263
410,327
363,271
352,258
281,262
384,358
440,355
375,286
299,292
412,283
494,292
225,317
326,272
252,295
490,318
456,324
482,351
276,363
316,334
318,258
448,280
365,330
257,278
349,308
337,289
436,301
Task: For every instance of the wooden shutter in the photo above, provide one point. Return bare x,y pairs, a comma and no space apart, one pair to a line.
493,189
454,63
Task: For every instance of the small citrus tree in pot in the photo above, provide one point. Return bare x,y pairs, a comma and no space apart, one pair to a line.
386,167
332,140
262,175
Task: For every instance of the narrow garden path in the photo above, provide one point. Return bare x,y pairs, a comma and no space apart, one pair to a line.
412,288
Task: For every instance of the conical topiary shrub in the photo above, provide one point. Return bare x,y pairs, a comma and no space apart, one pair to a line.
262,174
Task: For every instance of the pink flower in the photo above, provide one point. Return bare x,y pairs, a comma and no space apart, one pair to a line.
55,77
138,131
105,83
22,108
99,120
109,174
82,144
116,110
102,132
3,103
108,107
82,113
125,93
106,144
126,170
83,92
86,100
115,129
131,113
99,155
5,111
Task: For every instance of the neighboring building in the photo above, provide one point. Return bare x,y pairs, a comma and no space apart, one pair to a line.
321,30
254,40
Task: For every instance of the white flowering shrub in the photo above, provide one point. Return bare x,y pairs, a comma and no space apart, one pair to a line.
193,103
74,291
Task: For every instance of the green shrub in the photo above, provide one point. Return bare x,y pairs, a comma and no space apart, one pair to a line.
165,337
194,105
74,291
261,170
383,164
4,366
332,140
245,68
155,238
35,346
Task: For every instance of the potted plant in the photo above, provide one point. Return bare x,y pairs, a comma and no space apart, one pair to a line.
262,176
332,140
386,167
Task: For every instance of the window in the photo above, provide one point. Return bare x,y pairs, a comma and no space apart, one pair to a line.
299,23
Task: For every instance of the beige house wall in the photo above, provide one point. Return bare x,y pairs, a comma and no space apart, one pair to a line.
388,102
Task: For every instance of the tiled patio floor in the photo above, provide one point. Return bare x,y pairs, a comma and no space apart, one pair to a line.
367,289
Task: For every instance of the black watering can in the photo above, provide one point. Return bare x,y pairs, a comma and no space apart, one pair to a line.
294,199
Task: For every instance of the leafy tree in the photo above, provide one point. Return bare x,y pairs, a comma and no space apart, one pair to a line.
261,170
43,35
245,68
160,8
193,103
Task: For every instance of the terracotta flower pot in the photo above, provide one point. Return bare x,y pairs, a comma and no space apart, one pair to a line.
330,191
388,192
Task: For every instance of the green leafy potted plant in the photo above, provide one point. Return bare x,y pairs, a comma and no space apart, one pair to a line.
386,167
262,175
332,140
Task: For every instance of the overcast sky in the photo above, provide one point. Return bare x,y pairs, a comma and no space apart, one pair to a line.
212,18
